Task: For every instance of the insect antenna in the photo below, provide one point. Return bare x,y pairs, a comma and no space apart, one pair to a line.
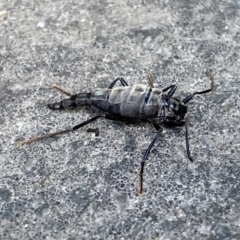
189,97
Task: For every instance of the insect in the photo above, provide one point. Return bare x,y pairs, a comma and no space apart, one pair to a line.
136,103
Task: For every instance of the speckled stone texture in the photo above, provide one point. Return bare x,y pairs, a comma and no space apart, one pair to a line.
79,186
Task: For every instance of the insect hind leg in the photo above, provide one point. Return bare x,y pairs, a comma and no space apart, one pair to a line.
49,135
123,82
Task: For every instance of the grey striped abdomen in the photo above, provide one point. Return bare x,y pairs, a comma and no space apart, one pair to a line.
132,102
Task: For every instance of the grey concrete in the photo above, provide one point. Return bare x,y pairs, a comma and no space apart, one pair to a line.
79,186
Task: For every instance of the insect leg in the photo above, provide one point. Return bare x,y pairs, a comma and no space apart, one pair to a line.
159,130
123,82
188,98
172,89
178,124
187,143
60,132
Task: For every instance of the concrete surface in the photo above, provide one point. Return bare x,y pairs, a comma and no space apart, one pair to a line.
79,186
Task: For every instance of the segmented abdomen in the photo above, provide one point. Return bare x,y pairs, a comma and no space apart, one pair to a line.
131,102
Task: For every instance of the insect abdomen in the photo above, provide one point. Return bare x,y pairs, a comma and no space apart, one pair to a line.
75,101
130,102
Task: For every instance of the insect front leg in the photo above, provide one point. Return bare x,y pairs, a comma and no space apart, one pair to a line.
187,143
180,123
60,132
145,156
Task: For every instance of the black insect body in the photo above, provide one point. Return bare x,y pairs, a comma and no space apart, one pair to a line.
136,103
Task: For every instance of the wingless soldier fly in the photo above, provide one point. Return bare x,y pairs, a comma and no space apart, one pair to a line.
136,103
